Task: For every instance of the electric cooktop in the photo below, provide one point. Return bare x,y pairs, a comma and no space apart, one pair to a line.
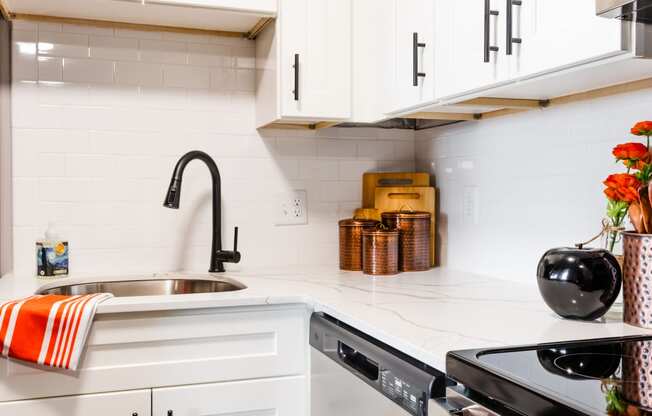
598,377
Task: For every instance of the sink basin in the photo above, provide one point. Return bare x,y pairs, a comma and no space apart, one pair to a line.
172,286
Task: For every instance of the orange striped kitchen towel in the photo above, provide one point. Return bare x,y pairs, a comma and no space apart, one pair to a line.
49,330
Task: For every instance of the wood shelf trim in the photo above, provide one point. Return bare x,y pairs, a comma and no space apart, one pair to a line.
124,25
258,27
4,11
504,102
427,115
519,105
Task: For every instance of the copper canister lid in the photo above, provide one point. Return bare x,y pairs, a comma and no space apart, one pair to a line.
380,232
354,222
406,214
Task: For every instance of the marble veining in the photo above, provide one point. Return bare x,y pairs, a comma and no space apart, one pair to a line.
424,314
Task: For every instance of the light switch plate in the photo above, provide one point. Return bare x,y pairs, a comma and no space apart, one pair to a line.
292,208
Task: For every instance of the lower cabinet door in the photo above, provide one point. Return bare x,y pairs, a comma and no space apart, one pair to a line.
126,403
287,396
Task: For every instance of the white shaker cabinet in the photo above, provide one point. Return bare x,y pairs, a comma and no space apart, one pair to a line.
303,63
471,36
286,396
555,34
126,403
414,44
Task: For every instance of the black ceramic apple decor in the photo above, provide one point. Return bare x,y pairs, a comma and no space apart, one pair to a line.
579,283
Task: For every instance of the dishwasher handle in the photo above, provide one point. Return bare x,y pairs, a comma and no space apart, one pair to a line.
358,361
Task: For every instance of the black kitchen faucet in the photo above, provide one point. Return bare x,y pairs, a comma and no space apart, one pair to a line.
218,256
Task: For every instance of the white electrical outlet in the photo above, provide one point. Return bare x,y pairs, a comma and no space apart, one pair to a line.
292,208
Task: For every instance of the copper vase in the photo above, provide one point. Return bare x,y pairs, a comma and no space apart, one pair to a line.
637,373
637,279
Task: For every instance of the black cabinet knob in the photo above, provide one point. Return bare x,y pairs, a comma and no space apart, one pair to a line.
170,413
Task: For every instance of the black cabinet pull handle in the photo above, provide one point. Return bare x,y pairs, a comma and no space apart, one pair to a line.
170,413
510,25
296,77
415,59
487,28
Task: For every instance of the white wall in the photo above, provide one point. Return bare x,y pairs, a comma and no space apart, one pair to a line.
100,116
538,179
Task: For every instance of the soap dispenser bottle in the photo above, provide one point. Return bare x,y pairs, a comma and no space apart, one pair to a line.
52,254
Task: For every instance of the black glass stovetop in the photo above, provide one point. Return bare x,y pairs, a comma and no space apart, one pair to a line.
598,377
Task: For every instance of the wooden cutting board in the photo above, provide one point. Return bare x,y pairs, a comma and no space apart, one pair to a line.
416,198
373,180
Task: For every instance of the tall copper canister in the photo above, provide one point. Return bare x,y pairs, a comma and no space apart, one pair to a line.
380,251
414,240
351,242
637,373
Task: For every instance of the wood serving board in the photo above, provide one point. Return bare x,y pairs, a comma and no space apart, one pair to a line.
373,180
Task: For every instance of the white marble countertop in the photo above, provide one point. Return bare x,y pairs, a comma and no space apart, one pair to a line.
424,314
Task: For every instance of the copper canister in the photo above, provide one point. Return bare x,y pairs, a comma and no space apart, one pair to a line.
637,279
380,252
637,373
414,240
351,242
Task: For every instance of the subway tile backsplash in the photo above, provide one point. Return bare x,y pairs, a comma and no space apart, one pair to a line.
101,115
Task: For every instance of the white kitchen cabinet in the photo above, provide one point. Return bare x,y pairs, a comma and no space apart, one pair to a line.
558,33
133,351
415,48
286,396
303,63
126,403
471,36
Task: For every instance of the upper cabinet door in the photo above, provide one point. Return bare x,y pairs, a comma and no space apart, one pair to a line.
315,55
557,33
471,35
414,82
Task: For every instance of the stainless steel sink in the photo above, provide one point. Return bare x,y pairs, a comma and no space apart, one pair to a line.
172,286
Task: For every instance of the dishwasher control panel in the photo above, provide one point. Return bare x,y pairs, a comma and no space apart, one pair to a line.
402,392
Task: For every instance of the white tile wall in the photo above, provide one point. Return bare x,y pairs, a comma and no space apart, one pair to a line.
538,178
100,116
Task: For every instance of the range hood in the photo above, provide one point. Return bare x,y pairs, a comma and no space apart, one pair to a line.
630,10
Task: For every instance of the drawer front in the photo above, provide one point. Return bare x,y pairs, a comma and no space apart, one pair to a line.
286,396
141,350
126,403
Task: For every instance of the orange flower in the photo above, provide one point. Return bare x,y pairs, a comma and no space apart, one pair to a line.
631,151
622,187
642,128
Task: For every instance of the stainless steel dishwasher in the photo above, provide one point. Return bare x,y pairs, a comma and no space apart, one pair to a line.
353,374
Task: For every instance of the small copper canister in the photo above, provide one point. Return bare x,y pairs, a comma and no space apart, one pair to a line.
351,242
380,251
414,241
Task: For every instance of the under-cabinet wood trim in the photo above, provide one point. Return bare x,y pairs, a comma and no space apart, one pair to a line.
427,115
300,126
258,27
124,25
324,125
604,92
503,112
519,105
504,102
4,11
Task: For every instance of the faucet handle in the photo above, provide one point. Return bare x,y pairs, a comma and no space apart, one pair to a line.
230,256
